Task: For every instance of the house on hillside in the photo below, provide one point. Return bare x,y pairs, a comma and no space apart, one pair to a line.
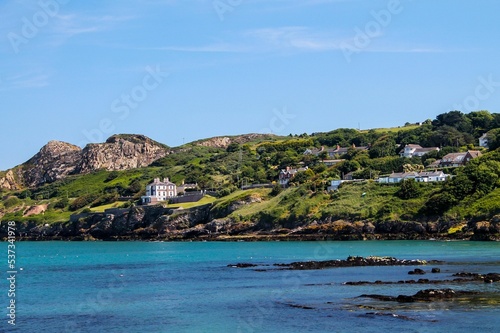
458,159
335,184
432,176
396,177
183,188
483,140
287,174
158,191
411,150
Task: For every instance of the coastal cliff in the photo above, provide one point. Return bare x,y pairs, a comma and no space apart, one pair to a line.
159,223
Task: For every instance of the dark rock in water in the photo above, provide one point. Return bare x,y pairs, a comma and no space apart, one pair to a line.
298,306
417,271
351,262
242,265
488,278
492,277
393,315
436,270
426,295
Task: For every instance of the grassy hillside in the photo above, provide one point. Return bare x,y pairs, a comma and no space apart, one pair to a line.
474,192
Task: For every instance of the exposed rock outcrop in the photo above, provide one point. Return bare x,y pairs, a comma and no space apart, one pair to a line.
9,182
121,152
56,160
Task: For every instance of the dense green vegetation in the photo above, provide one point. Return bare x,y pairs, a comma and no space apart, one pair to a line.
473,192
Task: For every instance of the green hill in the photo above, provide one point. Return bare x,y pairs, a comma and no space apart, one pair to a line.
223,166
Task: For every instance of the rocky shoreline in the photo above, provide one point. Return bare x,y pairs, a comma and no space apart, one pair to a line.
156,223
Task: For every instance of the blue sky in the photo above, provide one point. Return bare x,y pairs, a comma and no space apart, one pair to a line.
178,71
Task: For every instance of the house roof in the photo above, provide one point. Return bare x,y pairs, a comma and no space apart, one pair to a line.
431,174
403,174
425,150
474,153
165,182
413,146
454,157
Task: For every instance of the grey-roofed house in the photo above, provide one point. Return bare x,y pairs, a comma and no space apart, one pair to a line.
158,191
396,177
411,150
459,159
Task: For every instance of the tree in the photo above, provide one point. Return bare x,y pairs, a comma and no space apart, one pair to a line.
348,166
408,189
385,146
323,155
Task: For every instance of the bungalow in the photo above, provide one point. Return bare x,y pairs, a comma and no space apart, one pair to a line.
411,150
396,177
459,159
287,174
483,140
158,191
432,176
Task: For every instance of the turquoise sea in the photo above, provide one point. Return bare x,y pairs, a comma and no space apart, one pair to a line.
188,287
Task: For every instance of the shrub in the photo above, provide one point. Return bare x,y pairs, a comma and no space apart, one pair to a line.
11,202
61,204
82,201
112,175
408,189
277,189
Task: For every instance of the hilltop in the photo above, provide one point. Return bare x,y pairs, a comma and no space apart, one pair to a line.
63,179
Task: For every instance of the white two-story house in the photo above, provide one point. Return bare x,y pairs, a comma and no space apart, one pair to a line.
159,191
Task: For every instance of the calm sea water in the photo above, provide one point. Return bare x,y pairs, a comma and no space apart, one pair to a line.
187,287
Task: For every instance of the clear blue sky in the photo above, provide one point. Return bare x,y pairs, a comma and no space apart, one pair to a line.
178,71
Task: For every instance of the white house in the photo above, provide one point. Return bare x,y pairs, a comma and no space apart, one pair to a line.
396,177
159,191
416,150
483,141
432,176
425,176
335,184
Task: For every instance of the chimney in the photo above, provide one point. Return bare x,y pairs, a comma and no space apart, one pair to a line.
157,180
338,147
165,180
